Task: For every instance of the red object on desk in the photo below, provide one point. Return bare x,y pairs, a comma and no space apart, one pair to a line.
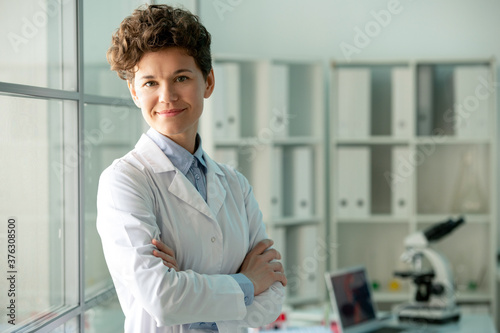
334,327
279,323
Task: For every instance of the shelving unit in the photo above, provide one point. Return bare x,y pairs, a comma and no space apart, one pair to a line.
267,119
427,152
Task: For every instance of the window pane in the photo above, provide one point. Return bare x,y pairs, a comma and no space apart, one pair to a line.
106,317
71,326
101,19
32,51
109,133
38,208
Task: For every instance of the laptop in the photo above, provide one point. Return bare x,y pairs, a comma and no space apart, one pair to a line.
351,298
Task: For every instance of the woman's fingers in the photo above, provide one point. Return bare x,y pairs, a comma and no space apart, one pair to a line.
165,253
162,247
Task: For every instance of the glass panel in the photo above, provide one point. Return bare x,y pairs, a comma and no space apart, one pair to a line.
71,326
109,133
37,209
101,19
106,317
32,51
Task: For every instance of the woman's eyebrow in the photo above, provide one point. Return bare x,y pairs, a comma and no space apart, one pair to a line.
150,76
182,70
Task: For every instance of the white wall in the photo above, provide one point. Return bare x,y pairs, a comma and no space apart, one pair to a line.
316,28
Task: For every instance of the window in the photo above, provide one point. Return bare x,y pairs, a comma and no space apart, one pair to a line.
64,117
39,208
109,132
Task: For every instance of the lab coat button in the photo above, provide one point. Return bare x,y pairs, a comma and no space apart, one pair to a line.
213,239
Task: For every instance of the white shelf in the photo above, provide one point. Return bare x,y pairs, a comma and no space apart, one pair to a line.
248,141
469,218
279,145
373,140
414,178
291,221
297,141
421,140
374,219
450,140
256,141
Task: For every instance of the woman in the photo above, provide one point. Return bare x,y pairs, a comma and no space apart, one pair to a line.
182,235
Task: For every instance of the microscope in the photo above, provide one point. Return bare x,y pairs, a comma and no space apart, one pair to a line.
435,299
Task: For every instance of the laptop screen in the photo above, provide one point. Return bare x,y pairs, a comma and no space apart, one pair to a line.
351,293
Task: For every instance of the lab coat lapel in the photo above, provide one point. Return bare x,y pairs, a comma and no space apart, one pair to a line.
216,192
180,186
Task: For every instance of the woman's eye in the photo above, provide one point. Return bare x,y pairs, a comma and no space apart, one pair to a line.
149,84
181,78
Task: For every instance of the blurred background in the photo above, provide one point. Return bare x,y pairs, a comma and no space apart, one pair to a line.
64,117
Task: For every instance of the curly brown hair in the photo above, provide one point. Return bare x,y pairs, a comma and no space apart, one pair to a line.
155,27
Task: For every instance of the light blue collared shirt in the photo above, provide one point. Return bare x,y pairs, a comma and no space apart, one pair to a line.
194,167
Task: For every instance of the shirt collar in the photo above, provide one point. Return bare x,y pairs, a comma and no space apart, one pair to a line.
179,156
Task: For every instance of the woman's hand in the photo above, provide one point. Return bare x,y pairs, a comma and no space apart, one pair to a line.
261,266
165,253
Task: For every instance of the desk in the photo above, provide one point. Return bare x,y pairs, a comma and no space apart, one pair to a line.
469,323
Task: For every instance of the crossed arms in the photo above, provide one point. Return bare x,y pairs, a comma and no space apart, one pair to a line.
260,265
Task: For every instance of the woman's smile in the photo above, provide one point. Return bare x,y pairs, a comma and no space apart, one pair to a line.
170,112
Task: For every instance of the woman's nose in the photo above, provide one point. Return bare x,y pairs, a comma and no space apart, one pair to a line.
168,94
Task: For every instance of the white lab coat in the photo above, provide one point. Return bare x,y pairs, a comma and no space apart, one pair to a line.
143,196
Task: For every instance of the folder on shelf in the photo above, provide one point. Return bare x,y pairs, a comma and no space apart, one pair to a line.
213,119
233,91
471,102
402,102
402,171
223,107
280,100
353,187
354,103
425,100
278,235
303,262
303,163
277,183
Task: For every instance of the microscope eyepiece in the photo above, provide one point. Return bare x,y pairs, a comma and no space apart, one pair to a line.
440,230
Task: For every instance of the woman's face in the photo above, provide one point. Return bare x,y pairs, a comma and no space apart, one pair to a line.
170,89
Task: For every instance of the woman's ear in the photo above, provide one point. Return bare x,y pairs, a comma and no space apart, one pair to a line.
209,84
133,93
